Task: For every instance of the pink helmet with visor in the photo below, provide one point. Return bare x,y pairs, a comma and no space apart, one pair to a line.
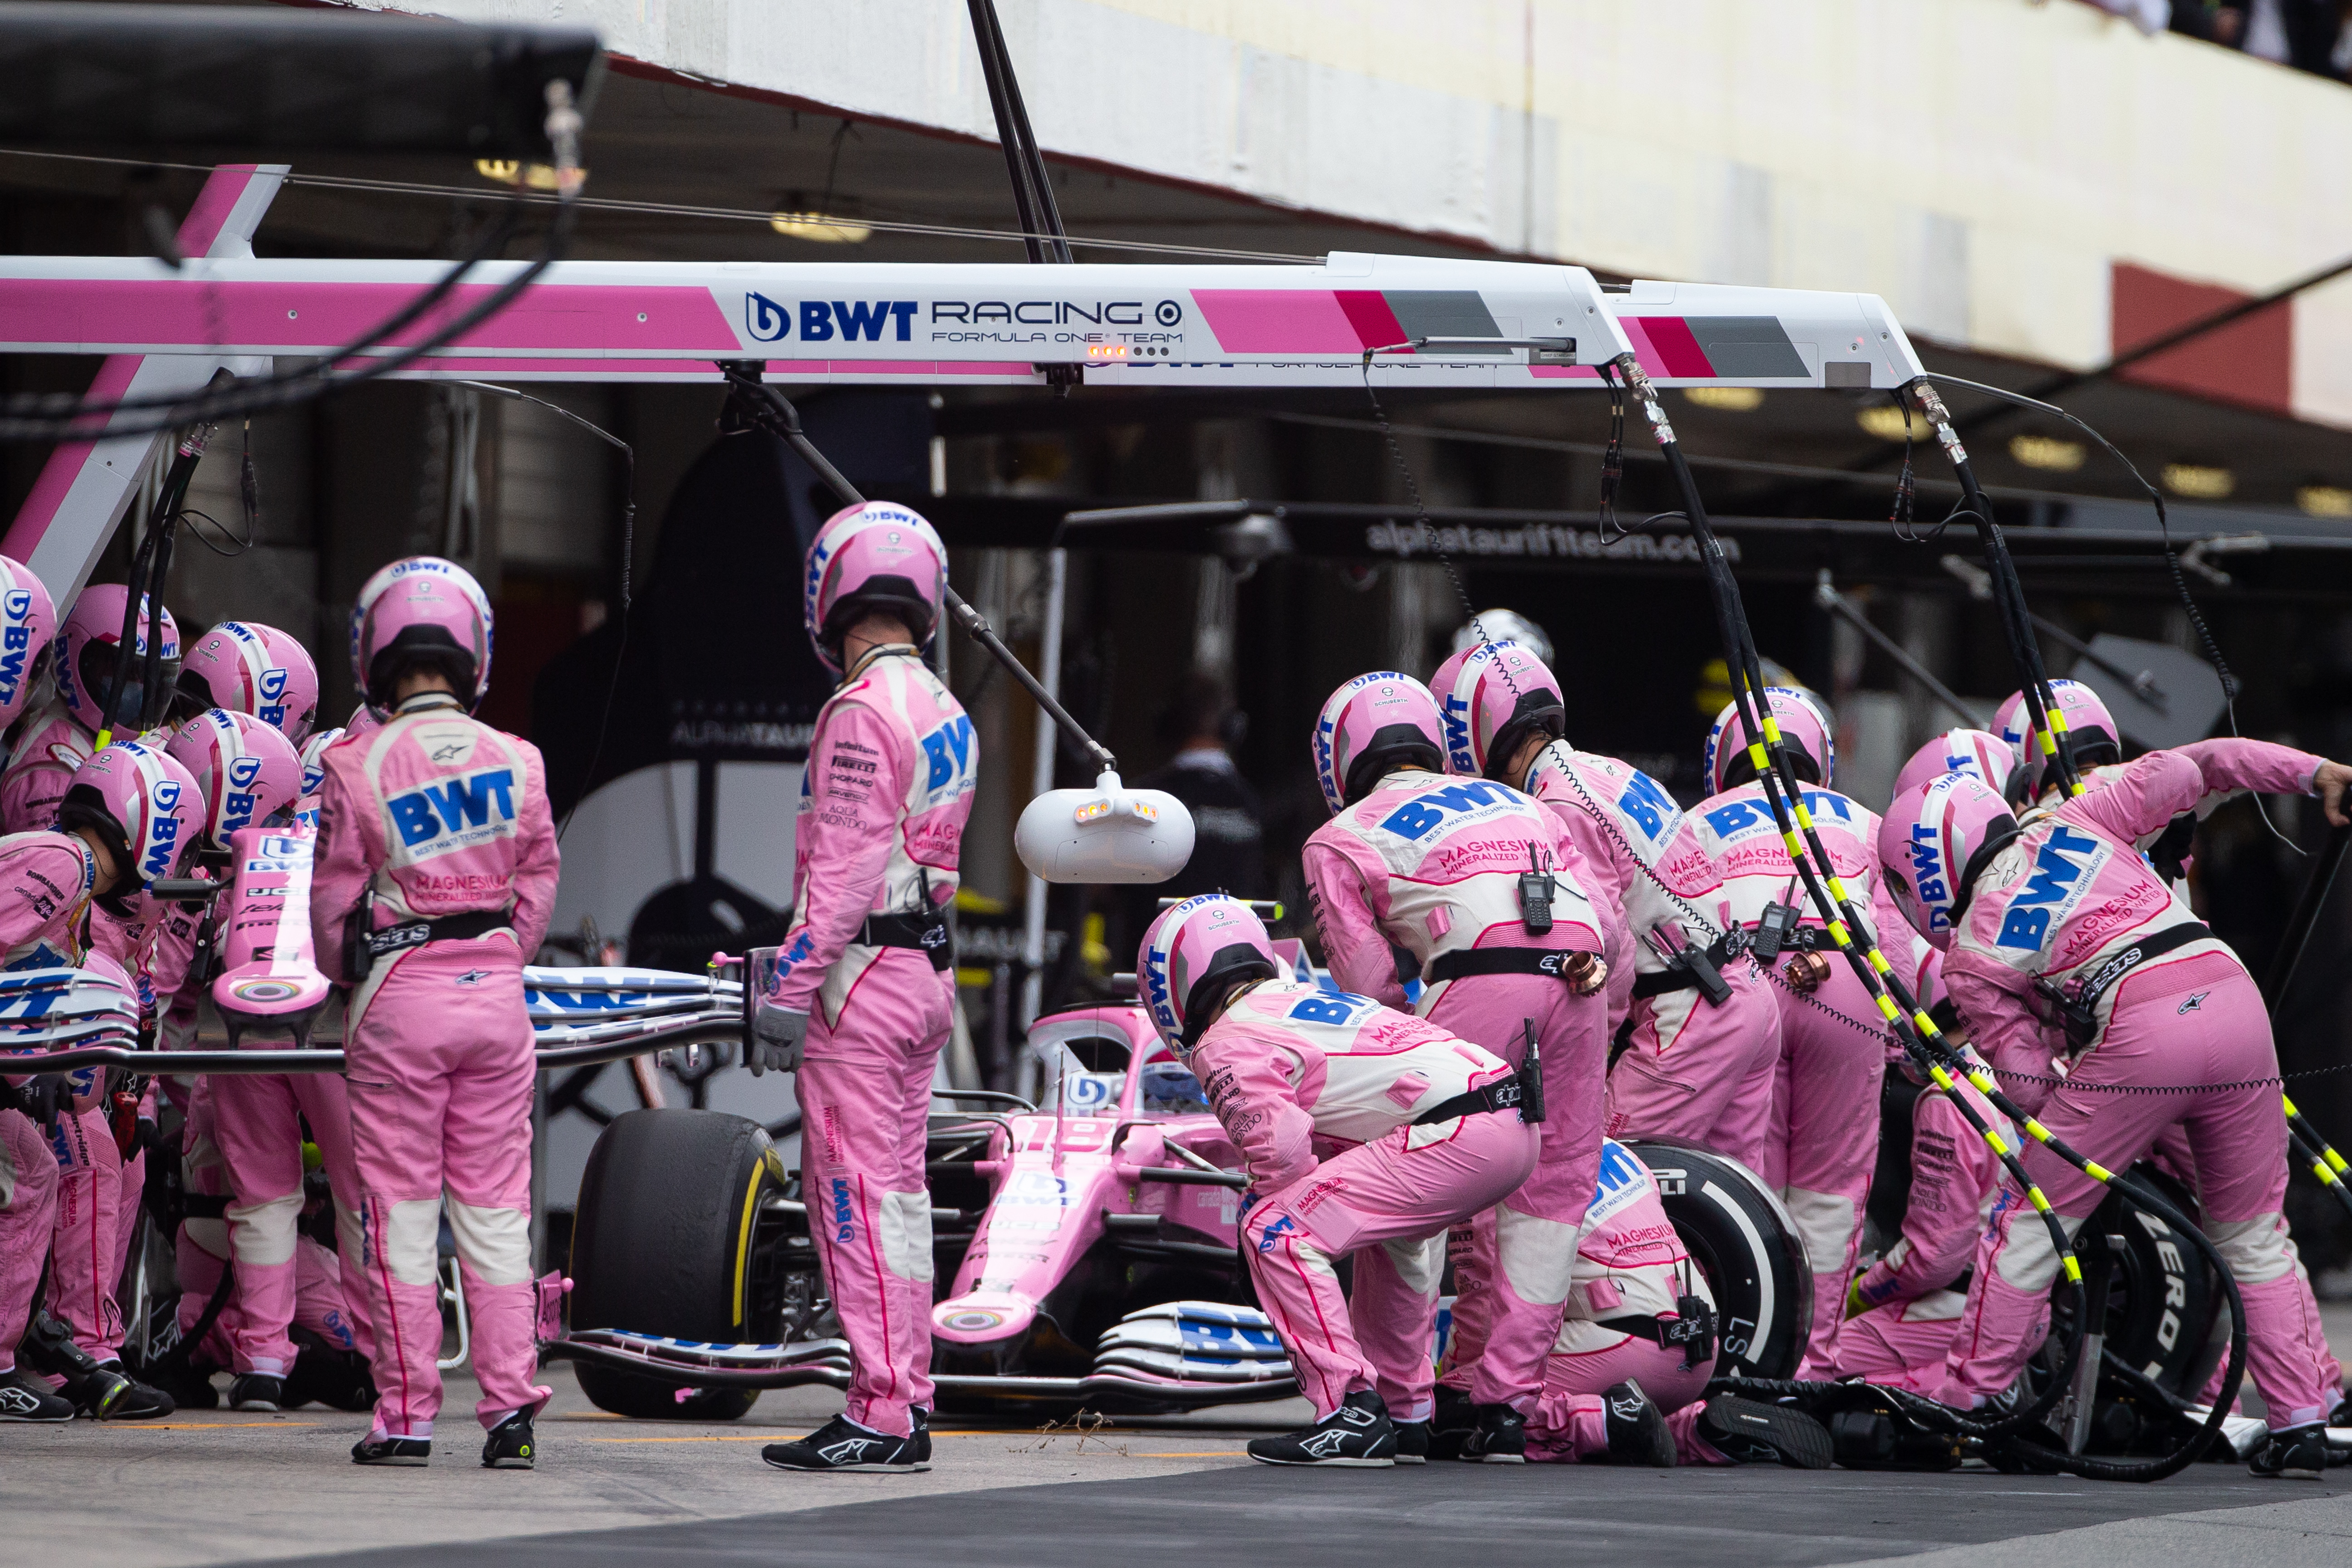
421,610
1373,723
1492,696
248,668
2093,736
1933,841
1978,753
1190,955
1802,725
877,556
87,649
145,804
29,619
246,770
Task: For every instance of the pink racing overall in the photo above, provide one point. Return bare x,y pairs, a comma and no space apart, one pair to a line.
44,886
883,804
1631,1273
444,821
1325,1095
1433,865
1909,1311
1822,1137
50,746
1621,820
2072,905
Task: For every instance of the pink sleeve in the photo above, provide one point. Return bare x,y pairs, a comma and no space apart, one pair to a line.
340,868
2229,764
1993,1000
30,795
846,836
1354,946
537,860
1252,1096
1949,1161
2141,799
1901,945
42,882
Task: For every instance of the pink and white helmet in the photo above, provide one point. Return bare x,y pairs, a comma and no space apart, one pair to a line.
86,650
1190,954
143,800
1373,723
29,619
246,770
877,556
1933,841
2093,735
1491,696
314,765
422,608
244,666
1978,753
1803,726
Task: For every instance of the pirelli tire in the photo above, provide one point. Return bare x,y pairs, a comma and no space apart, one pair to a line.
1742,1239
661,1244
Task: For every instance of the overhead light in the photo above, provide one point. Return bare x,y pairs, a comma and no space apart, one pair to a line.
1888,423
1730,399
2046,452
818,226
2325,501
2199,482
525,176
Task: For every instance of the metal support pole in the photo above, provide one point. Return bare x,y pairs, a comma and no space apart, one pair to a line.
1049,658
1826,595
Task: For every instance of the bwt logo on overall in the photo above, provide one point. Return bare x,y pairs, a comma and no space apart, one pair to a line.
15,641
444,810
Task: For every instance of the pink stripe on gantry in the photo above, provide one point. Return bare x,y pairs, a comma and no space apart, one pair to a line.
197,314
214,203
1278,320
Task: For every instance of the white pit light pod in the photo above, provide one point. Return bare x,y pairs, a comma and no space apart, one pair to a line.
1107,834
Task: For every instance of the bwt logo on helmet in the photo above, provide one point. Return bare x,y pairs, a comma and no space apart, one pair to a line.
163,832
271,709
16,639
458,807
237,801
1928,876
1457,735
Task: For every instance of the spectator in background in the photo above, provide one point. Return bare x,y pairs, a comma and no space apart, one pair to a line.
2309,34
1228,818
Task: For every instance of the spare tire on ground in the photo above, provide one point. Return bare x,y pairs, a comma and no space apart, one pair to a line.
661,1244
1742,1240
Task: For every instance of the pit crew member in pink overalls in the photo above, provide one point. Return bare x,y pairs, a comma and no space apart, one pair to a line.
860,998
1366,1130
434,875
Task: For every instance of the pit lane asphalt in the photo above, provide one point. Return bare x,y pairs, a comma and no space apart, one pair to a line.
215,1487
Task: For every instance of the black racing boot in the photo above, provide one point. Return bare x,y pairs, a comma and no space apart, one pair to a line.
1454,1420
2297,1454
1357,1435
25,1399
1638,1434
191,1387
134,1401
1757,1433
922,1419
378,1450
508,1447
1413,1442
257,1391
1501,1438
843,1446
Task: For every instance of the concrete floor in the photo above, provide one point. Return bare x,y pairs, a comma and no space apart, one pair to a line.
215,1487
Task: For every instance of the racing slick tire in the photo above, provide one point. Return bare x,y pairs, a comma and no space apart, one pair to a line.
1742,1240
660,1244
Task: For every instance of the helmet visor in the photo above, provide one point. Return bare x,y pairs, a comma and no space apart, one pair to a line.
97,669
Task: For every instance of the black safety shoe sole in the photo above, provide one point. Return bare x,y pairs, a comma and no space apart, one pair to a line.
393,1451
1758,1434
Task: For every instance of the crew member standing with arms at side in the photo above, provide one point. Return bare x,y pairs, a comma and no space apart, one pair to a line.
437,860
862,985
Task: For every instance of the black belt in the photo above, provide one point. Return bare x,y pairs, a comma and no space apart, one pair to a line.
448,928
1680,977
927,933
205,1205
1464,963
1506,1094
1693,1332
2078,1007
